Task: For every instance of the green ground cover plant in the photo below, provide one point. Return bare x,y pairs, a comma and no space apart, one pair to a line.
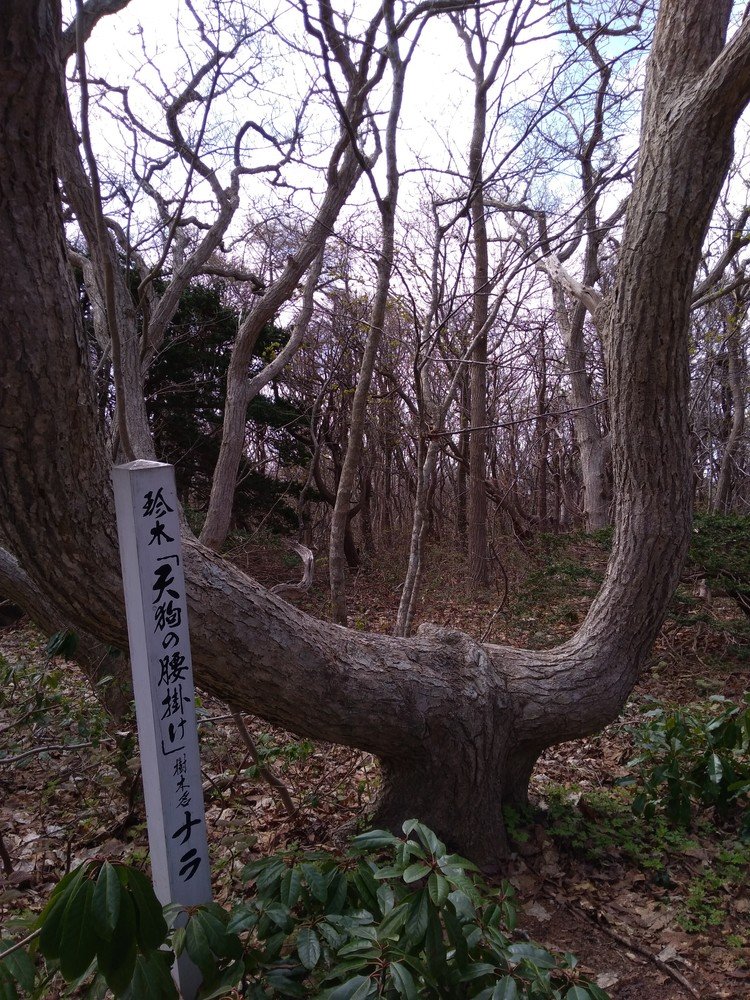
392,917
693,758
597,827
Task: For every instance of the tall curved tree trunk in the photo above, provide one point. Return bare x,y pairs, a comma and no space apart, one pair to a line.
457,725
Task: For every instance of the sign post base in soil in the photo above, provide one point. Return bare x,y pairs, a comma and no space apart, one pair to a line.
154,583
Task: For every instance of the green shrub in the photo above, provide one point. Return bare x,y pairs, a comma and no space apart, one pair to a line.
693,757
394,917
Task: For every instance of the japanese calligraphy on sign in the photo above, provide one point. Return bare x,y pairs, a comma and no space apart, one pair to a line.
154,583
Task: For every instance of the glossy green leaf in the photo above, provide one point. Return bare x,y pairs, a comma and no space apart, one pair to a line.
19,965
116,958
290,887
151,979
241,919
337,892
221,943
403,981
308,947
62,643
366,885
317,882
374,840
345,968
390,871
361,948
269,876
475,970
78,939
437,886
455,935
434,946
714,769
460,880
506,989
282,984
7,985
415,872
463,906
416,923
526,949
639,804
178,940
279,915
198,947
391,924
51,918
431,841
386,898
151,927
51,924
577,992
173,914
355,989
333,938
227,981
105,904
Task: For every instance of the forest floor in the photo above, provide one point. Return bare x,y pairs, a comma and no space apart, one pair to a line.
652,912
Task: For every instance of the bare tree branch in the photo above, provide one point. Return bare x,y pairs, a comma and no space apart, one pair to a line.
86,19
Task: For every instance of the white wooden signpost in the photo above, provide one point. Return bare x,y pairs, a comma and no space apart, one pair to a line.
156,605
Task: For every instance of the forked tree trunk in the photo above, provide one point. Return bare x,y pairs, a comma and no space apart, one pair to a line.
457,725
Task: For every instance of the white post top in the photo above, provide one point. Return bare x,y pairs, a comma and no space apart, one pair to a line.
141,463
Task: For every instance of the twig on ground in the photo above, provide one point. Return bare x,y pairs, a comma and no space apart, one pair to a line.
20,944
263,769
600,921
48,748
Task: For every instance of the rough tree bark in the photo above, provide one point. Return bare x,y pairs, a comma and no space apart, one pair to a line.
457,725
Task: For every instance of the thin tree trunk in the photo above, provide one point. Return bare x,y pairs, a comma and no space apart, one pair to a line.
593,446
387,206
477,497
722,498
542,437
462,465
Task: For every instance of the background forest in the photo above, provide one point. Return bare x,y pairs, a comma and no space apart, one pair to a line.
439,310
483,254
